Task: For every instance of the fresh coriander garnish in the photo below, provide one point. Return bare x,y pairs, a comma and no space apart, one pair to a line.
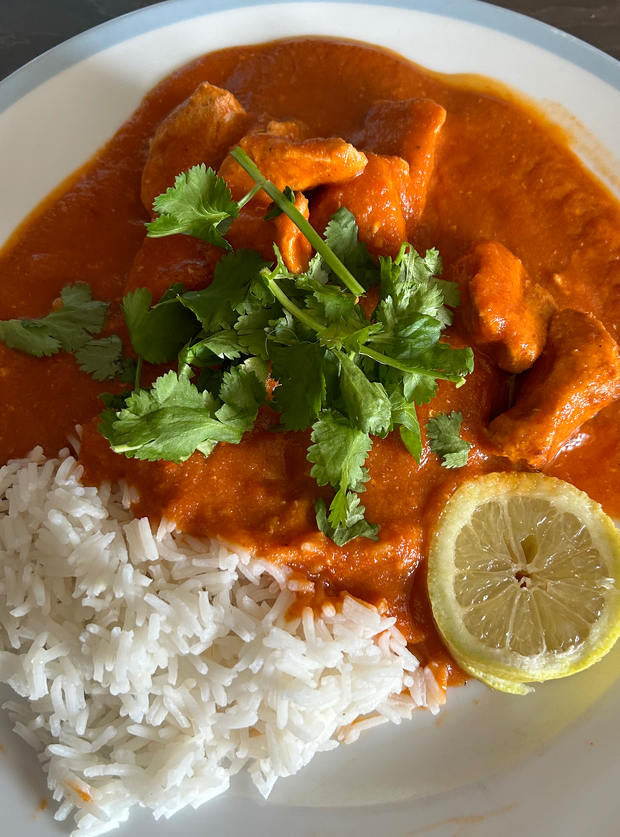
444,439
345,372
158,333
174,418
199,204
338,454
103,359
67,328
70,327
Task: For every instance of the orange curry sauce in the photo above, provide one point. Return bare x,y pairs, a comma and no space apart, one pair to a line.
500,173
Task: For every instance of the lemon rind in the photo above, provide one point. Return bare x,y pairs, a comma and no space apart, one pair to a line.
480,660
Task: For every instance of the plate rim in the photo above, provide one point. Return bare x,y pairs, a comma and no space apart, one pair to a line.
47,65
140,21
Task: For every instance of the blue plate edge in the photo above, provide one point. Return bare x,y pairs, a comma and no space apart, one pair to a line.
109,33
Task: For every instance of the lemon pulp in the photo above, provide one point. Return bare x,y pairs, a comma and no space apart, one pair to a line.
524,579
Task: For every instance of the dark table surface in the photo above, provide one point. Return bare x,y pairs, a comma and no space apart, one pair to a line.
29,27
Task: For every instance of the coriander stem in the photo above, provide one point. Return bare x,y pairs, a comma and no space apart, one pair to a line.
290,306
184,367
403,367
326,253
315,325
136,383
247,198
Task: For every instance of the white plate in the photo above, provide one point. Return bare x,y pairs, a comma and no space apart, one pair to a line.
490,764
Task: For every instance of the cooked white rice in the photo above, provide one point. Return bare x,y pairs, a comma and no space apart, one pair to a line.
152,666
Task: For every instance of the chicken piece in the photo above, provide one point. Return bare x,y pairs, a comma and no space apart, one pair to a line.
506,314
408,128
161,262
300,164
375,198
295,248
291,129
200,130
389,197
250,231
577,375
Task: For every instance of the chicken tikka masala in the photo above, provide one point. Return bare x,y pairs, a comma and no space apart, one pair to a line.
529,236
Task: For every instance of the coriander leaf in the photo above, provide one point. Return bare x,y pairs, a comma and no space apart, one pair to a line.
102,358
346,509
107,418
348,335
403,337
418,388
252,330
77,319
413,284
450,291
338,453
350,373
224,344
432,262
331,371
242,394
444,440
127,372
317,270
234,277
286,330
333,303
355,526
158,333
29,336
443,358
412,312
405,417
259,367
67,327
299,371
329,311
196,354
210,378
366,402
116,401
341,235
411,439
199,204
171,293
274,210
170,421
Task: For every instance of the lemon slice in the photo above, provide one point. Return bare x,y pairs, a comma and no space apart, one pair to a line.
511,687
524,579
